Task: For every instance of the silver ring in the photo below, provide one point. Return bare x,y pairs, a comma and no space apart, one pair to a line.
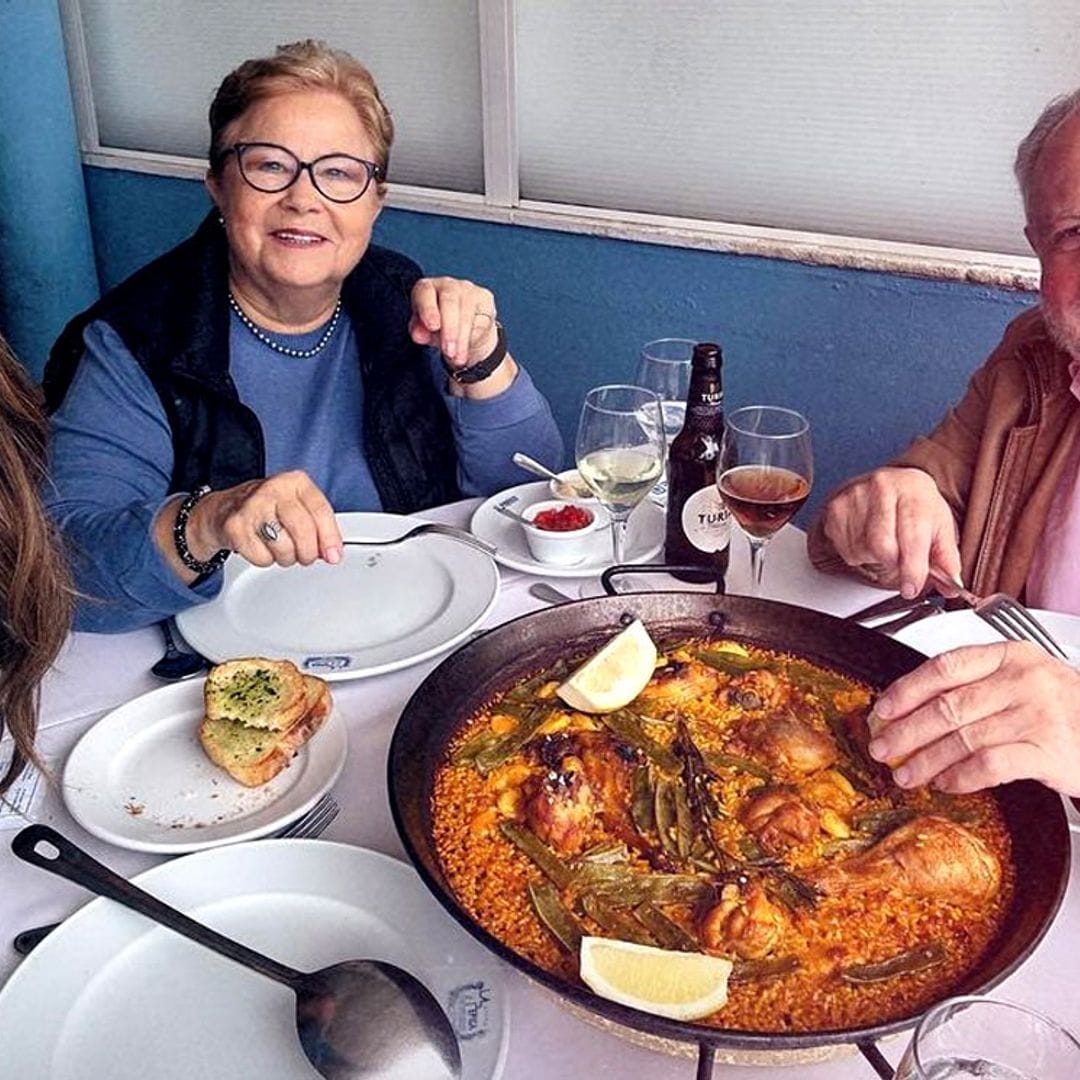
871,569
269,531
486,314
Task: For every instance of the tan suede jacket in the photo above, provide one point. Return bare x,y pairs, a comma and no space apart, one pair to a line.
997,458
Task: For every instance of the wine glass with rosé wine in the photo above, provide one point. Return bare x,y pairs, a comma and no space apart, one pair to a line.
618,456
765,474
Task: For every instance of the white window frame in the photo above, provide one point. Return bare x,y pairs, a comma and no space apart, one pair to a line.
501,201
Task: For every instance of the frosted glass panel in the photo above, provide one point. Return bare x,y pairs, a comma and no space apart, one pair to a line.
879,119
154,68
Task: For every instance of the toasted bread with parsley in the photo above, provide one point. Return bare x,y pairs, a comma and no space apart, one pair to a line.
254,755
258,692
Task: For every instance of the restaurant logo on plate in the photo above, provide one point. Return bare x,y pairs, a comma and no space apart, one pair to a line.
468,1009
326,663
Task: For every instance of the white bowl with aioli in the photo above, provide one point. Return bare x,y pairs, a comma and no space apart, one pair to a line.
571,487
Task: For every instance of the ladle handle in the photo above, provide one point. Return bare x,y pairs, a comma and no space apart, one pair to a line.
170,642
71,862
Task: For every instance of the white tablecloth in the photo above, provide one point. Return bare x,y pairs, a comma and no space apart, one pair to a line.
96,673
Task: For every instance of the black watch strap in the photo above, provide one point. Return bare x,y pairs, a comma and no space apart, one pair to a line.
479,371
196,566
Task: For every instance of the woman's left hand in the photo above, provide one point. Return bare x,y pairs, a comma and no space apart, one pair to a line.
980,716
456,316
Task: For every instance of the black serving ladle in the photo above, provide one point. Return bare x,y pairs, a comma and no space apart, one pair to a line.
357,1020
176,664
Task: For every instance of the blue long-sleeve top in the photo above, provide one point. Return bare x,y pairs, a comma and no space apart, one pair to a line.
112,456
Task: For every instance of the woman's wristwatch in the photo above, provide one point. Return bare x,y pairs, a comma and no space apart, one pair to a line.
196,566
482,369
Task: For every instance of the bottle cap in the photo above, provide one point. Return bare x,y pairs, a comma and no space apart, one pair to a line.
707,354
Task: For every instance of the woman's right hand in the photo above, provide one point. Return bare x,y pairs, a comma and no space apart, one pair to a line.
234,518
893,524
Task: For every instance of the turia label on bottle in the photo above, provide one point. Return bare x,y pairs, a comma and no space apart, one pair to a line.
706,521
707,405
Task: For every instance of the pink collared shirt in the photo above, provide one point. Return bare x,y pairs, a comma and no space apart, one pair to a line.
1053,581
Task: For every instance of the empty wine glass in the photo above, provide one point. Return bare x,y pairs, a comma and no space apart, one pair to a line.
664,366
968,1037
765,473
618,455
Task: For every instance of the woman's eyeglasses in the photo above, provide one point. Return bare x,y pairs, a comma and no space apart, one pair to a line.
341,178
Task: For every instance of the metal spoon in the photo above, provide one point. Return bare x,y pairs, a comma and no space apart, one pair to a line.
177,664
357,1020
512,514
523,461
548,593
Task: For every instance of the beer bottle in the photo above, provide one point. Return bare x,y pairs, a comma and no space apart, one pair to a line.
698,523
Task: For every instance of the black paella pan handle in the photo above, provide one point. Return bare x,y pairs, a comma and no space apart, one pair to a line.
868,1049
607,578
706,1057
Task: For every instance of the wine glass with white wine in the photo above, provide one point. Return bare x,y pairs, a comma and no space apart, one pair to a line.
619,457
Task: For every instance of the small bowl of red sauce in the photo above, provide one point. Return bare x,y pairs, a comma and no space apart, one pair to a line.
560,532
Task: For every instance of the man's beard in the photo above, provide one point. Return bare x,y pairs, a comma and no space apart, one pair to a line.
1064,329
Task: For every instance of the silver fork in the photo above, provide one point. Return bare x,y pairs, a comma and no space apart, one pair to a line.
313,823
307,826
429,528
1007,616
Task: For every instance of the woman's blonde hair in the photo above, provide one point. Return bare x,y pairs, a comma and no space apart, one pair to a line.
301,65
35,591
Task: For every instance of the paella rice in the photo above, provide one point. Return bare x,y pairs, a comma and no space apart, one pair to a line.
730,809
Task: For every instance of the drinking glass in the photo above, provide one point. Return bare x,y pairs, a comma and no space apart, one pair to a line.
618,455
765,472
664,366
968,1037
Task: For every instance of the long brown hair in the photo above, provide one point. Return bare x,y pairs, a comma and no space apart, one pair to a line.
35,594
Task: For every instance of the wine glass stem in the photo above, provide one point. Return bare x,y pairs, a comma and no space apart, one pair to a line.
757,564
618,536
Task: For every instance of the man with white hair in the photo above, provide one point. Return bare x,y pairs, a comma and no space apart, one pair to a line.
991,496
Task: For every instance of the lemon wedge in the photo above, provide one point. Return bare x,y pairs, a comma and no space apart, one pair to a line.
679,985
615,675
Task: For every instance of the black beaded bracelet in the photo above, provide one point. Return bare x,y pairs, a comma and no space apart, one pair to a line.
483,368
196,566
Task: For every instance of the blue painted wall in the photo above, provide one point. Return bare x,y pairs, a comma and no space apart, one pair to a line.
872,359
46,260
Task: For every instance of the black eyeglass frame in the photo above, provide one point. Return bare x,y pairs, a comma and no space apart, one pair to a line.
374,171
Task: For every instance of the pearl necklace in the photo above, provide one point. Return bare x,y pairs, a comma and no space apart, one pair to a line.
269,342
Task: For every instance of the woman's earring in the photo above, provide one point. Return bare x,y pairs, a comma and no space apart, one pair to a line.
221,220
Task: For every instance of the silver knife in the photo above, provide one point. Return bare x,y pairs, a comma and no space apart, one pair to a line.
891,605
930,605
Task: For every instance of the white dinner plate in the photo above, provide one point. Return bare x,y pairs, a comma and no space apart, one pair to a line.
938,633
140,779
645,535
379,609
111,995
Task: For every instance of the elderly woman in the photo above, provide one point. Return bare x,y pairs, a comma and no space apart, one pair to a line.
276,366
